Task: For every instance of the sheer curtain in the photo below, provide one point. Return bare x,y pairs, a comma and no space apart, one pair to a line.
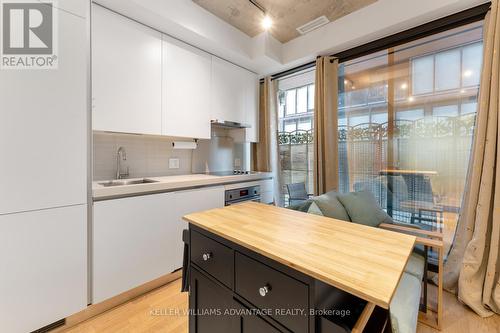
474,259
406,119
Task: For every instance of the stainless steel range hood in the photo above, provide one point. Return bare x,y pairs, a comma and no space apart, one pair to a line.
228,124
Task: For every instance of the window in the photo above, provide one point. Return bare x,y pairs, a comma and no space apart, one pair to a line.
452,69
296,96
406,119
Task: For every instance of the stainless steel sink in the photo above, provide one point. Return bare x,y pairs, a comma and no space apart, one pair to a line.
124,182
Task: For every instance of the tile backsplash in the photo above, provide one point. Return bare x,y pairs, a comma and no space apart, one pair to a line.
148,156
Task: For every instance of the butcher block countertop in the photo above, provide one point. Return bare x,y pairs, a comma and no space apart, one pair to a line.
364,261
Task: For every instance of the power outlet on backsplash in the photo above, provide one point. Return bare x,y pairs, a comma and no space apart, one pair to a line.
173,163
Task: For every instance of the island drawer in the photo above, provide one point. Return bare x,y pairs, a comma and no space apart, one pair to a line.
267,288
213,257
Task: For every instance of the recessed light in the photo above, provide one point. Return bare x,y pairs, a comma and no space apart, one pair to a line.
267,22
346,82
404,86
353,87
411,99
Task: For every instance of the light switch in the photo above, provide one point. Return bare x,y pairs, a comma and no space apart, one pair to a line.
173,163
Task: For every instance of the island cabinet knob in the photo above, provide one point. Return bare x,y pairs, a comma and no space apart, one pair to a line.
263,291
206,256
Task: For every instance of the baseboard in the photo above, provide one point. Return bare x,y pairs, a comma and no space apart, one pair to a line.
96,309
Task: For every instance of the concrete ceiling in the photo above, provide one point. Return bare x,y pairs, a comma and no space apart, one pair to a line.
287,15
263,54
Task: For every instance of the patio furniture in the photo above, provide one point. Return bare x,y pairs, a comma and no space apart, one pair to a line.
297,193
423,211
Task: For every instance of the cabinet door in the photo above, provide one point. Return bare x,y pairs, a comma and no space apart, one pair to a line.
133,241
186,90
43,255
252,323
126,74
187,202
43,128
252,107
228,91
205,298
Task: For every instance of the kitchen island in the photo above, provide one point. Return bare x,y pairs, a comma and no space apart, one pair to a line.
260,268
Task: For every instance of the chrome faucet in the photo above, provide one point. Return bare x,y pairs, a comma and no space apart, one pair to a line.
121,155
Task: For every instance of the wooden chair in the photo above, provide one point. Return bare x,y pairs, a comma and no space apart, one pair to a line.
434,240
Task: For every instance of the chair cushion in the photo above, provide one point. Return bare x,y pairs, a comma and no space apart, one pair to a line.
314,209
301,207
398,186
405,304
330,206
363,208
416,266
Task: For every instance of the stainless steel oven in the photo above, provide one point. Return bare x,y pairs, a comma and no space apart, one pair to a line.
250,193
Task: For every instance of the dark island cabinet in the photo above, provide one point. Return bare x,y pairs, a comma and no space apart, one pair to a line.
235,290
208,301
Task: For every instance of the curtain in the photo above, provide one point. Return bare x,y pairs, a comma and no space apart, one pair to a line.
326,163
474,259
265,152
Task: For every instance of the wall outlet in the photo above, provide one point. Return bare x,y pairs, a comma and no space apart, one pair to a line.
173,163
237,163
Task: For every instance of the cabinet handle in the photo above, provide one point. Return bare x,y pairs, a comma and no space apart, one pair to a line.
206,256
263,291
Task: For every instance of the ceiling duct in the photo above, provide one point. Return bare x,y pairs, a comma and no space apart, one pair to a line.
314,24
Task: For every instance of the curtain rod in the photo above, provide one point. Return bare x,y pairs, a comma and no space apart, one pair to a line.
467,16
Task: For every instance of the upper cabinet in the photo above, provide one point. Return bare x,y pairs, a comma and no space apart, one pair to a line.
252,107
186,90
126,74
228,91
235,98
147,83
43,128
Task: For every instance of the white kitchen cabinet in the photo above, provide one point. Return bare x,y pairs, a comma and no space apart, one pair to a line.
126,74
252,107
43,128
139,239
266,191
43,255
190,201
229,96
186,90
132,240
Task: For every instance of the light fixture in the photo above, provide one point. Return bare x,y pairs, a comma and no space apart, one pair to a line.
462,91
404,86
468,73
411,99
267,22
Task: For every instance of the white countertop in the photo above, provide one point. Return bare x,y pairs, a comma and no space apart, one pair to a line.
170,183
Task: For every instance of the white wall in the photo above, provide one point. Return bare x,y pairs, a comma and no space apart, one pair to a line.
147,156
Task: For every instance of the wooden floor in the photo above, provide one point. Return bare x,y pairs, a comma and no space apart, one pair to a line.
152,313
